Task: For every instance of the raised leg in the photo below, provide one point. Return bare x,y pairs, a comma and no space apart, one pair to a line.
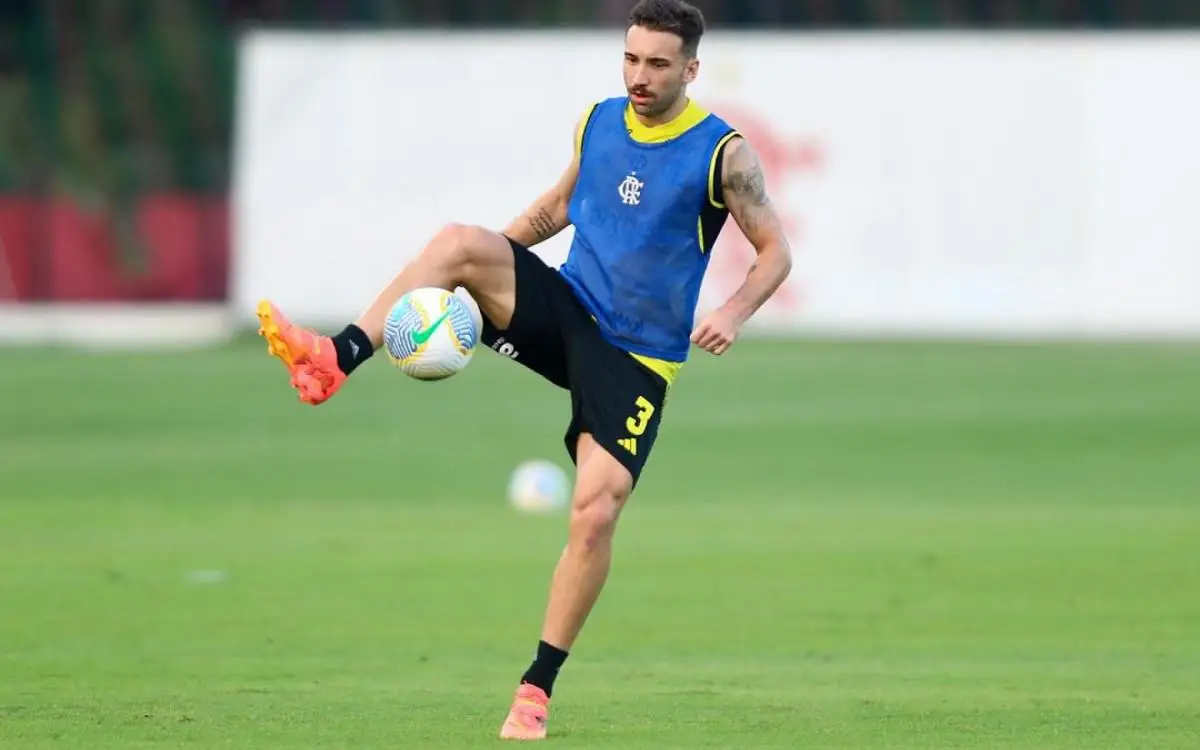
472,257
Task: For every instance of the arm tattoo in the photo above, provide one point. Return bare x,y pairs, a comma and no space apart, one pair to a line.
744,179
542,224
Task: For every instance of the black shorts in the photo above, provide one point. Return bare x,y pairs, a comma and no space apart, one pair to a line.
614,397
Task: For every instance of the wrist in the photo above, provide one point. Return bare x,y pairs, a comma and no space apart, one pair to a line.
738,311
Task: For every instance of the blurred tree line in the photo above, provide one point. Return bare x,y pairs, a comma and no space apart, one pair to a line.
101,99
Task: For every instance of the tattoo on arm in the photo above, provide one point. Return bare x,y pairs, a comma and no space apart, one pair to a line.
744,178
746,196
542,224
745,189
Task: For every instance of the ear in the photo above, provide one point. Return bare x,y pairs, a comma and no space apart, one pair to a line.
691,70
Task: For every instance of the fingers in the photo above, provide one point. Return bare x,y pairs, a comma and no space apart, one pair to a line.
711,339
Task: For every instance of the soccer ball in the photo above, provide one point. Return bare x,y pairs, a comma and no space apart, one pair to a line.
431,333
539,486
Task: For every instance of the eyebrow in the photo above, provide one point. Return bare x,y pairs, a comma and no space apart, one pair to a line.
652,58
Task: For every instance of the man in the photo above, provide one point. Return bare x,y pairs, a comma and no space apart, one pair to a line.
649,188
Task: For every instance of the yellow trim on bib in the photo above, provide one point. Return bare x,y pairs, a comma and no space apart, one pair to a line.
668,371
713,177
582,127
690,117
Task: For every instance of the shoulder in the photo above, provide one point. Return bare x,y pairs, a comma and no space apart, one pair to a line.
742,177
723,139
614,104
740,158
589,114
735,152
728,144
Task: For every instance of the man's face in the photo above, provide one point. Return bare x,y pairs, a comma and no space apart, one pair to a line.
657,70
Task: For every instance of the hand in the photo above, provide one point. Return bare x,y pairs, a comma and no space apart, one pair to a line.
716,332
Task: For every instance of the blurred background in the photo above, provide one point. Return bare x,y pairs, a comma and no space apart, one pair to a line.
943,493
119,117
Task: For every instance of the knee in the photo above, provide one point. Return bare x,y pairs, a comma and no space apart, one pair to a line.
459,247
594,516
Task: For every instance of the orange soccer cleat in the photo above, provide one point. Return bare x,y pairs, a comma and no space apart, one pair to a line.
527,717
310,358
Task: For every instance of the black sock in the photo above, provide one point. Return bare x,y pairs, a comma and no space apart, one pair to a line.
545,667
353,348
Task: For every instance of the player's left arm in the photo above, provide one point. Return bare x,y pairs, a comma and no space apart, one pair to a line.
745,192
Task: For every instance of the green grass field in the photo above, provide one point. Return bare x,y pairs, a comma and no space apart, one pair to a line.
834,545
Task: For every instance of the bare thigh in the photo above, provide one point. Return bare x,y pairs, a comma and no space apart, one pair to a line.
483,262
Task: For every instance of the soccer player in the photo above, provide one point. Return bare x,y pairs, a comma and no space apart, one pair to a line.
651,183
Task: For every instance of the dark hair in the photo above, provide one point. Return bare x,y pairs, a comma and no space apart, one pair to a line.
673,16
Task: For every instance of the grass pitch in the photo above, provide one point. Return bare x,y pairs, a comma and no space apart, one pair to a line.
834,545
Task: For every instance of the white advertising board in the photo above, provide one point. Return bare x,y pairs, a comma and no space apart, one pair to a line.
973,185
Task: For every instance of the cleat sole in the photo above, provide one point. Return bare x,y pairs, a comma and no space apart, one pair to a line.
269,330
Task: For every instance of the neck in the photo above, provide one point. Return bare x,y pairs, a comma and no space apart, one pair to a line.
674,111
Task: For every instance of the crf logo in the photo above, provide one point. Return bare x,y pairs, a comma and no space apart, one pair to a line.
505,348
630,190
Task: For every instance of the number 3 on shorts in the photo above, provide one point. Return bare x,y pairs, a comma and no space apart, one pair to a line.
637,423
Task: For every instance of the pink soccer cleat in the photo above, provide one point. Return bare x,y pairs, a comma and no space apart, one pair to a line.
527,717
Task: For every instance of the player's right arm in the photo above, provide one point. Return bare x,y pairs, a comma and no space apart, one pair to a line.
547,216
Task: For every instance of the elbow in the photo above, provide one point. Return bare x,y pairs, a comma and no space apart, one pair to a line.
783,253
561,211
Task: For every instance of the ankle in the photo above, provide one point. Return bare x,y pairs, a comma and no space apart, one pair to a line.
544,670
353,347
